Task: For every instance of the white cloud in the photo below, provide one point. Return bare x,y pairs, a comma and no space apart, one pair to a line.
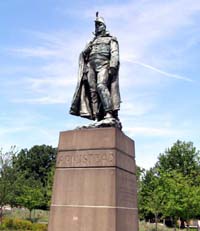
152,131
41,52
136,107
56,45
56,82
152,46
167,74
12,130
35,52
41,100
141,25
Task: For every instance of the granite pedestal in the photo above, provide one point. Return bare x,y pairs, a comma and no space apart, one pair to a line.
95,183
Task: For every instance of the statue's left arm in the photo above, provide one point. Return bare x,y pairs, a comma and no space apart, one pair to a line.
114,54
113,71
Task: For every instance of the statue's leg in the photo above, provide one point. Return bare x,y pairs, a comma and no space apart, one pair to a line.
93,91
102,89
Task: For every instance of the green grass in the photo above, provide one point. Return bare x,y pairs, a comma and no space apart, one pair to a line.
39,216
146,226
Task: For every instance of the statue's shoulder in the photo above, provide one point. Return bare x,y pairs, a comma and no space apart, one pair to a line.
113,38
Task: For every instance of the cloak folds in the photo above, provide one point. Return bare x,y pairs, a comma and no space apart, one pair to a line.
81,102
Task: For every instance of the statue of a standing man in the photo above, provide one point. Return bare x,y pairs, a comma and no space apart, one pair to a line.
97,94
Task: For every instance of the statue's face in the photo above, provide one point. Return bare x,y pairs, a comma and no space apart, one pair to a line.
99,28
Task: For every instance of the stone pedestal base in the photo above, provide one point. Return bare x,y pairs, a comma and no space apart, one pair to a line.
95,183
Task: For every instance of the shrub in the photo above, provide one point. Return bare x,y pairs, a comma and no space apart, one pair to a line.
39,227
18,224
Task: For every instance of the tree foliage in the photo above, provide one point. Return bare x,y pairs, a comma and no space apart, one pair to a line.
31,195
172,187
26,177
182,157
6,176
36,162
36,165
169,189
182,198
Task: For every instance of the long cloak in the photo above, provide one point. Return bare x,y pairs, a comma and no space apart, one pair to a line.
81,103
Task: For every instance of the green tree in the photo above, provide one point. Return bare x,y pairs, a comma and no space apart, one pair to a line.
30,195
180,166
172,186
6,177
182,157
37,164
151,195
182,197
36,161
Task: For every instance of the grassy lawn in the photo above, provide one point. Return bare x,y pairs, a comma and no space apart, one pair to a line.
145,226
39,216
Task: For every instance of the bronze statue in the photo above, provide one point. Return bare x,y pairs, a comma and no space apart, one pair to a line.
97,95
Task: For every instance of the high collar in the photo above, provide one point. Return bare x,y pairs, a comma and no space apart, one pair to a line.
102,35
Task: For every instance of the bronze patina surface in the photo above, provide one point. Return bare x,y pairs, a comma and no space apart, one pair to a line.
97,95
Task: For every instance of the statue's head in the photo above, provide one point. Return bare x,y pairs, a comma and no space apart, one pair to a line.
100,26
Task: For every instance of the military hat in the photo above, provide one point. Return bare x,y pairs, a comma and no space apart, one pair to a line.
99,19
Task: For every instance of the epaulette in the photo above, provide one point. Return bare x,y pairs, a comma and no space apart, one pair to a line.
114,38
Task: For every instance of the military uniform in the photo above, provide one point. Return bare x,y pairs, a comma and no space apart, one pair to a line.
103,55
100,70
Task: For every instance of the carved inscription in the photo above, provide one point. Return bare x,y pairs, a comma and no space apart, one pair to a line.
85,158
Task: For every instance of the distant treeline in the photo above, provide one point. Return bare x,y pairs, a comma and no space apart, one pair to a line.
170,189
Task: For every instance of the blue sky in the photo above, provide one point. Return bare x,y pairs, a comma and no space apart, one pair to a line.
159,74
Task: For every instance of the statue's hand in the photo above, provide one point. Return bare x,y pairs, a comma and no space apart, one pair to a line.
112,71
